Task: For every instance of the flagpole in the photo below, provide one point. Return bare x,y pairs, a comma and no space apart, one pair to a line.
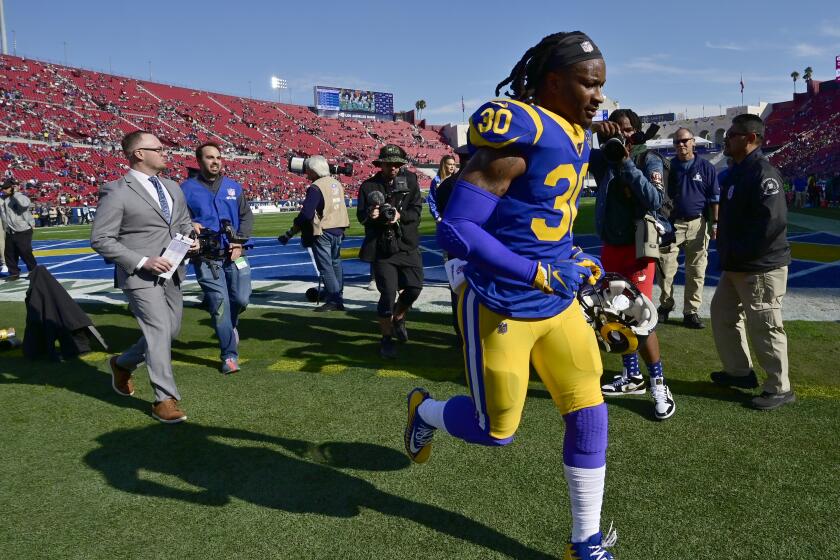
742,90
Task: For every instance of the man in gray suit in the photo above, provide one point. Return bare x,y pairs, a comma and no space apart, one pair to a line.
138,216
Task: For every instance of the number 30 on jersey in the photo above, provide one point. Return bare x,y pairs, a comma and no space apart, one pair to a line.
565,203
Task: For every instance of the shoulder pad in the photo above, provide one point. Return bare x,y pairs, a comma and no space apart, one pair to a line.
504,122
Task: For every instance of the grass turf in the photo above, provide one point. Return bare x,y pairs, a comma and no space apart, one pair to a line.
272,225
299,455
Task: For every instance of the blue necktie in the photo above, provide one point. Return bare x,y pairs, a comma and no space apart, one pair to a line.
164,206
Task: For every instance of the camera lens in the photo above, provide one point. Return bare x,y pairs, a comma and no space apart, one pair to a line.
614,149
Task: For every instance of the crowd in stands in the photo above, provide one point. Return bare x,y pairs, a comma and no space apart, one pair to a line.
61,128
804,133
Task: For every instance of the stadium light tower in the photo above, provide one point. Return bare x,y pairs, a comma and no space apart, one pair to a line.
279,84
3,45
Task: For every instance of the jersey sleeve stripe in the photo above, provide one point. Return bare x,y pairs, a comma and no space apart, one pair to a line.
534,117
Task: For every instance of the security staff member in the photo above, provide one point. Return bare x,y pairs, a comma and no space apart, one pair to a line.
392,244
754,257
226,281
693,188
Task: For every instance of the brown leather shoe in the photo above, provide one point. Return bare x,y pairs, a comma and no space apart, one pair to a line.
121,379
168,412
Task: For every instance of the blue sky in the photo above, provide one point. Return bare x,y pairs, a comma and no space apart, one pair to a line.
661,56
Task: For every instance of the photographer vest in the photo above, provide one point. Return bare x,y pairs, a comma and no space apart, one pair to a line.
335,209
209,209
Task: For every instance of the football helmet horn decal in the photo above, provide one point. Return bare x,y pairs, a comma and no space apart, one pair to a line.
618,312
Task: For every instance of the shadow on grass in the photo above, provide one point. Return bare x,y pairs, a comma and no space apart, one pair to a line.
351,339
290,475
76,375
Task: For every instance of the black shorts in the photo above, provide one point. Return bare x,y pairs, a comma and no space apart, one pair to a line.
398,272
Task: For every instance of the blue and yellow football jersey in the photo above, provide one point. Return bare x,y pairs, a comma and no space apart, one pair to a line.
534,218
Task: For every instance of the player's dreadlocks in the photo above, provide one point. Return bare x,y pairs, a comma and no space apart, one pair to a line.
554,51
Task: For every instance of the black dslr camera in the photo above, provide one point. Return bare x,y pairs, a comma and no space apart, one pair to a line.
613,147
387,211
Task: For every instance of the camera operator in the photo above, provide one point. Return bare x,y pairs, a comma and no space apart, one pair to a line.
389,207
322,222
223,221
17,224
630,185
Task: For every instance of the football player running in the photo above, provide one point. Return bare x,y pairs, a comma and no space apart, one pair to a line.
510,216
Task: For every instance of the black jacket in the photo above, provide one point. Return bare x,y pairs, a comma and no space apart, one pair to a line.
752,229
53,316
408,202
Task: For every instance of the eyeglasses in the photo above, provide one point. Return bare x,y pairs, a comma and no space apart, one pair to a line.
158,150
682,140
731,134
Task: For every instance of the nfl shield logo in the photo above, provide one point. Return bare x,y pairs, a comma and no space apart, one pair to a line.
586,46
502,329
231,192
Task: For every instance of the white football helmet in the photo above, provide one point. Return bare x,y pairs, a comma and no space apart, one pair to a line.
618,312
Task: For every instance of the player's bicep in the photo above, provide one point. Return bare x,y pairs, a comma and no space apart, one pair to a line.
494,169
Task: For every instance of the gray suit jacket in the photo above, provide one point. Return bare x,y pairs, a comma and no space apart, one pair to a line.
129,225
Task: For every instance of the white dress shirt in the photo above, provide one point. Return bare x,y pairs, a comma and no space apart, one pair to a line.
150,188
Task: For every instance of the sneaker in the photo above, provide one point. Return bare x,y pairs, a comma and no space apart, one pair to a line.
12,277
230,365
592,548
749,381
387,348
663,403
400,331
418,434
772,401
168,412
692,321
624,385
662,314
371,285
4,269
121,379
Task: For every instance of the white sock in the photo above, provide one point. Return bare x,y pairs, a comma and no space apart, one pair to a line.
431,412
586,493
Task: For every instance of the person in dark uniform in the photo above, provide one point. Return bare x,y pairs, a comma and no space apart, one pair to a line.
389,207
754,257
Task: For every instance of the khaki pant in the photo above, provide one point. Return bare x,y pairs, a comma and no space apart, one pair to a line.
758,297
693,238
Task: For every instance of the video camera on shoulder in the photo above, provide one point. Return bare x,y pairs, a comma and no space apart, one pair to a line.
210,245
298,165
614,146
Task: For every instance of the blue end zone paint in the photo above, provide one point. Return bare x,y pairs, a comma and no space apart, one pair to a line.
274,262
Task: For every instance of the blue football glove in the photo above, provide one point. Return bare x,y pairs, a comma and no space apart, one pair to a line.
563,278
592,262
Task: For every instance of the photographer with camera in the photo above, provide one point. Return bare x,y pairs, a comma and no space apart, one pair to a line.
322,222
17,223
389,207
223,222
630,187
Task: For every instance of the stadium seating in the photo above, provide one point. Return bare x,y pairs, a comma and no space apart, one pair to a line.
804,133
61,129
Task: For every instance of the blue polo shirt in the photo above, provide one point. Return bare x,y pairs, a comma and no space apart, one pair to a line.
693,186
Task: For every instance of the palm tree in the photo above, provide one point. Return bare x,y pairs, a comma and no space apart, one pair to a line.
809,72
795,76
420,104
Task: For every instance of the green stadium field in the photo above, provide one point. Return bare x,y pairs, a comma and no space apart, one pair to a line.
300,454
